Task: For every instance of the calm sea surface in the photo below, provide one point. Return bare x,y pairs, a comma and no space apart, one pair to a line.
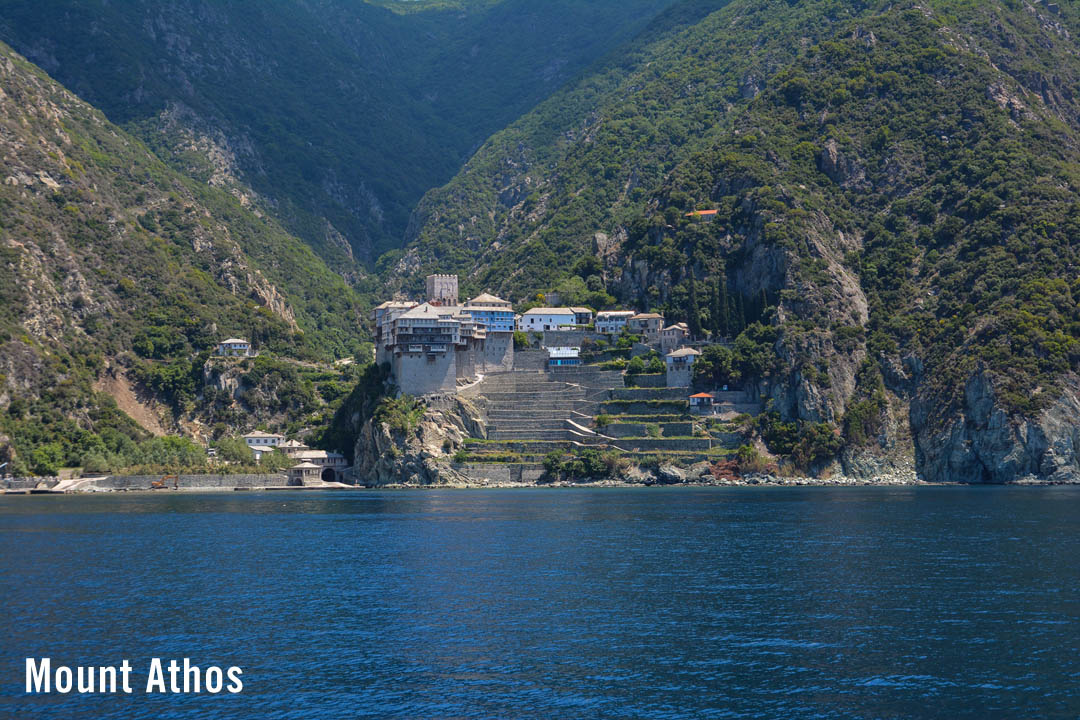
650,603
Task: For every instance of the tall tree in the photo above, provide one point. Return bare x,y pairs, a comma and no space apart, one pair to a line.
725,308
714,310
693,312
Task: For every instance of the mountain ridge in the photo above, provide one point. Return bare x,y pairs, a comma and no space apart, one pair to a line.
871,164
340,115
114,265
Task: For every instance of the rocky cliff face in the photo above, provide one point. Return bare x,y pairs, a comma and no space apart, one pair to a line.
988,444
418,455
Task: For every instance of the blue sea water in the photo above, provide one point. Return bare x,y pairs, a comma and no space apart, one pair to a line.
930,602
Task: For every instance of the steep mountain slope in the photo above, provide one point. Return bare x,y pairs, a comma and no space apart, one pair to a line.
342,113
116,271
897,200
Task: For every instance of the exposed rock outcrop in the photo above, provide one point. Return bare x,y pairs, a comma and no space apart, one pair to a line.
984,444
418,455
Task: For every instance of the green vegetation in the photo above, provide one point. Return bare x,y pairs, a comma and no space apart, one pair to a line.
807,445
363,401
402,413
126,269
444,74
584,464
924,159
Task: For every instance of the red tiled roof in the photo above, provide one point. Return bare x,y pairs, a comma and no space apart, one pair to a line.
701,213
702,395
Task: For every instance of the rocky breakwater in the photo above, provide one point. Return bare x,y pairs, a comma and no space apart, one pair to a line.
984,443
416,451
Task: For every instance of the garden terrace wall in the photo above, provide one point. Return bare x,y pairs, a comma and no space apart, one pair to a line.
621,429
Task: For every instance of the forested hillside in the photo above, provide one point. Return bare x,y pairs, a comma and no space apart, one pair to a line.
895,242
340,113
117,275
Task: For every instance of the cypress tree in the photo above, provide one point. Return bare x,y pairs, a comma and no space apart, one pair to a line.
714,310
693,312
740,315
725,308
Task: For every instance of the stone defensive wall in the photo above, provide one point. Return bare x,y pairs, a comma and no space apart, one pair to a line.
209,482
29,483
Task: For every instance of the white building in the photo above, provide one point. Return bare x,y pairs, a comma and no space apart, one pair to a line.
262,443
304,474
701,402
583,315
564,357
612,322
235,347
291,447
331,464
547,318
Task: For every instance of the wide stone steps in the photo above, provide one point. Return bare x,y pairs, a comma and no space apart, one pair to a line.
524,384
537,407
498,416
534,448
548,403
528,426
527,434
520,397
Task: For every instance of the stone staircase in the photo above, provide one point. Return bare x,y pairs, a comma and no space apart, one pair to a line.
528,405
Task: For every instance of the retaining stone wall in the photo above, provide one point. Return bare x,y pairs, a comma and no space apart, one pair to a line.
570,338
530,359
681,377
661,393
501,473
657,380
667,444
643,408
730,439
621,430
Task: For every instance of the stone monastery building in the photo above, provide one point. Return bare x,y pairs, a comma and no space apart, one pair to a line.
431,345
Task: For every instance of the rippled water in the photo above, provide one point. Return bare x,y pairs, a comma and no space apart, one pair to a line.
651,603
